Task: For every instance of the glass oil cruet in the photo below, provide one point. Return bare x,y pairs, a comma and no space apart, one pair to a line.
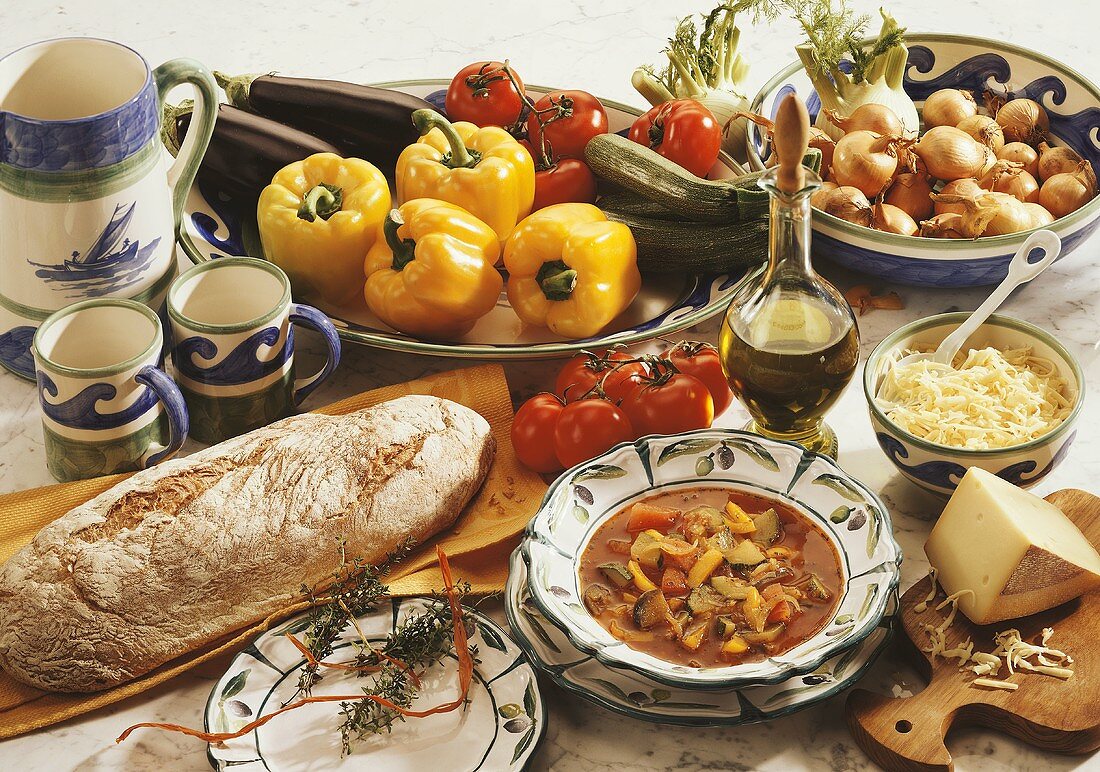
789,343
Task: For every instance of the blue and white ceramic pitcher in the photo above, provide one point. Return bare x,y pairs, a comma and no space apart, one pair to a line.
87,207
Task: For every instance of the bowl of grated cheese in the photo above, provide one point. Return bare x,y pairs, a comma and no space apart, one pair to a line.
1007,404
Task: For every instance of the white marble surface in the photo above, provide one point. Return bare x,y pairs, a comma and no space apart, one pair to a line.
590,44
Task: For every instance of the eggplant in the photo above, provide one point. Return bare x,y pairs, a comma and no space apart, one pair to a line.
363,121
245,151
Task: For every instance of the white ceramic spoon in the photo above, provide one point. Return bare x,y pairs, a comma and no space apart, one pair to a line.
1020,271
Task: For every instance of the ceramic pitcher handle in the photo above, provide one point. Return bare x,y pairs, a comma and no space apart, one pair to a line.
310,317
182,172
178,422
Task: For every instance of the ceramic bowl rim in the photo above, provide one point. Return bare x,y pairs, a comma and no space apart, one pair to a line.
890,342
154,346
720,681
893,241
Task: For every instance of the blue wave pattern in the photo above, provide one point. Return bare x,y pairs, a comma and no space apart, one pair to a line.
15,350
227,213
80,412
241,365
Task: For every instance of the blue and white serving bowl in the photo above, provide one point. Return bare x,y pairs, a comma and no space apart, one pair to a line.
965,62
938,468
852,517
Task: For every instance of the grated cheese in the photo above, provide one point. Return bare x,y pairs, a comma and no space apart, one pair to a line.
987,399
994,684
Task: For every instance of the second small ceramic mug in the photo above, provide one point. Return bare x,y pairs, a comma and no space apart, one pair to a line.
233,345
107,405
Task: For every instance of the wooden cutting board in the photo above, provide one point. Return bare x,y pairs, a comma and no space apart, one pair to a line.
1047,712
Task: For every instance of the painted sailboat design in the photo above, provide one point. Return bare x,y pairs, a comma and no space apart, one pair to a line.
113,262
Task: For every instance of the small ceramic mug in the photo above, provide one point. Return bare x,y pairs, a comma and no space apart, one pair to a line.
233,345
107,405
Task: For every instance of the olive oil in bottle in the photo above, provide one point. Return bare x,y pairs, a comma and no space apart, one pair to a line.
790,344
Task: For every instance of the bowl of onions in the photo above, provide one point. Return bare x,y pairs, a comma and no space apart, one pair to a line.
1005,146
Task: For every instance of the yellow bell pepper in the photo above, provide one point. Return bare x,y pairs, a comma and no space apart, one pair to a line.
431,272
317,219
484,171
571,270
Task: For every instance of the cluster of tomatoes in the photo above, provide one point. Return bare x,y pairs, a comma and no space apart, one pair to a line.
603,398
555,128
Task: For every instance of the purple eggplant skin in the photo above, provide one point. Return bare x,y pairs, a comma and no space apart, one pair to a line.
363,121
246,150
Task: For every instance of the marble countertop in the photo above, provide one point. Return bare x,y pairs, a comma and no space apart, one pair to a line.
593,45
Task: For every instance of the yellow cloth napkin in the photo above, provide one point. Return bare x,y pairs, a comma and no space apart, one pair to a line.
478,544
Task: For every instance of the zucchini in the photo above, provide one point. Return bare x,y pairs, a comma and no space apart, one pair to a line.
643,171
769,528
651,609
745,555
670,246
616,573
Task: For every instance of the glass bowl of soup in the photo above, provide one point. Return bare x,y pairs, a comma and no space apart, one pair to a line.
712,559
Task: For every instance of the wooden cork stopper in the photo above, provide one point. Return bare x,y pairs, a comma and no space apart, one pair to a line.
791,138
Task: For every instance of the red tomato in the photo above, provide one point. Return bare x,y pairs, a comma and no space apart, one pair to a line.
669,404
533,432
482,93
683,131
567,119
701,360
588,428
569,180
583,370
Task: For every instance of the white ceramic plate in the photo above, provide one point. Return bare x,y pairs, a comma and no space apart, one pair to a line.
631,694
853,518
498,730
213,227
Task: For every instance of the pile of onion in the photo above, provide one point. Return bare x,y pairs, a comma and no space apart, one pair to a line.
975,171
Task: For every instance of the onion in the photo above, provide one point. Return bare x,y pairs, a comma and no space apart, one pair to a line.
1023,120
825,144
817,199
1040,217
870,117
911,193
866,160
985,130
1056,160
948,225
849,204
970,223
1021,153
1012,216
891,219
967,188
1069,191
951,154
1009,177
948,107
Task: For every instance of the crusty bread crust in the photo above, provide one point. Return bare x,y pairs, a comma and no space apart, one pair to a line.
184,553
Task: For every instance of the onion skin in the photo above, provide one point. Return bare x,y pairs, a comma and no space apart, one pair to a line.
891,219
1009,177
1021,153
912,193
824,143
971,223
948,107
985,130
817,199
1023,120
1012,215
967,187
943,226
866,160
1069,191
870,116
849,204
1040,217
1056,160
952,154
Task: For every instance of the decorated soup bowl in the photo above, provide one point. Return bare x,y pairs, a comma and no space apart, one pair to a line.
978,65
938,468
851,517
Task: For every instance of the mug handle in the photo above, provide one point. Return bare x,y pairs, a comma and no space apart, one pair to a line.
178,422
183,170
310,317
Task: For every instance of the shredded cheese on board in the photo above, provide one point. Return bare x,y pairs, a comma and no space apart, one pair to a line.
987,399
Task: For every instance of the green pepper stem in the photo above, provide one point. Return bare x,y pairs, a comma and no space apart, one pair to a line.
556,279
322,200
460,155
404,250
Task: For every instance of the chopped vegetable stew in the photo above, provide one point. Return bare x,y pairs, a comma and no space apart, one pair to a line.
708,577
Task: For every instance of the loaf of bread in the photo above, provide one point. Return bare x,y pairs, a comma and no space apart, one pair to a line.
184,553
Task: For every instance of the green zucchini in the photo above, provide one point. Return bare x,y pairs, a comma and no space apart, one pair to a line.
675,246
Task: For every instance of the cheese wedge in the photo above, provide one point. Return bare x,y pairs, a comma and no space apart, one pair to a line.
1015,552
